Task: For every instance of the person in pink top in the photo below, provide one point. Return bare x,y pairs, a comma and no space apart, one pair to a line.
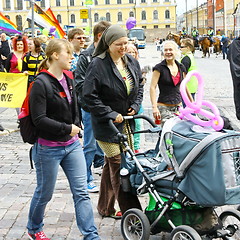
14,59
54,112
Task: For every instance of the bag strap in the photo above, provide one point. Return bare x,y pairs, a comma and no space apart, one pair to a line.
48,86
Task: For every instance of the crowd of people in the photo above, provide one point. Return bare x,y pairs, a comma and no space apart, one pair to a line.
224,41
73,88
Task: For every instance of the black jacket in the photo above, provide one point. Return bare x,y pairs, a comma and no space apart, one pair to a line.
106,96
168,92
53,116
84,60
234,60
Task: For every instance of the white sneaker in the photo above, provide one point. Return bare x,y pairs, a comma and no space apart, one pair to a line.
98,170
92,187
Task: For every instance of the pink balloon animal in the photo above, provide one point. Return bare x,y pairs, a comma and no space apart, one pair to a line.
192,108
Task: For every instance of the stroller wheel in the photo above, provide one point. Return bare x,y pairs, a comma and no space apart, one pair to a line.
184,232
231,223
135,225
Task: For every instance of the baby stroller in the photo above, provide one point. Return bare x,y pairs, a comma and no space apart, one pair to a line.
189,173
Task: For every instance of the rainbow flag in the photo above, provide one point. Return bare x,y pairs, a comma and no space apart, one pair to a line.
7,25
59,29
43,20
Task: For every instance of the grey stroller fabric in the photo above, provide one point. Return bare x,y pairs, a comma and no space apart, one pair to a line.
204,165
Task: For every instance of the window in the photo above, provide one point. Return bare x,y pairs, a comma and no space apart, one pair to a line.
8,4
43,4
19,22
166,1
84,20
144,17
108,17
107,1
167,26
73,19
7,16
155,1
59,18
167,14
72,3
131,14
119,17
58,3
143,1
95,2
19,5
155,14
119,1
96,17
131,1
155,26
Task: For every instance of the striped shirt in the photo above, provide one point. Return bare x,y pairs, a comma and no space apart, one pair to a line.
31,63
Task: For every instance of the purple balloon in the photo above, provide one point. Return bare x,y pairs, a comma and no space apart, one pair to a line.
52,29
131,22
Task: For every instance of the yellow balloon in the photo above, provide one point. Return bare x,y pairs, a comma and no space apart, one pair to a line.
45,31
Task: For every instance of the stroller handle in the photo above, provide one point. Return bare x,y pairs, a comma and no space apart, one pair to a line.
148,119
155,128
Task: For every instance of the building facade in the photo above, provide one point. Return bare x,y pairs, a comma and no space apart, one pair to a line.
196,17
156,16
222,15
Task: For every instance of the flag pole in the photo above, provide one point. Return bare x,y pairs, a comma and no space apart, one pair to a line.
32,23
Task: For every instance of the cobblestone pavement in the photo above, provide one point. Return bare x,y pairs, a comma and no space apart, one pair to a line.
17,180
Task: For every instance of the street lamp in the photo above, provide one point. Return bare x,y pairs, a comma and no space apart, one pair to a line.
186,14
214,15
197,13
32,22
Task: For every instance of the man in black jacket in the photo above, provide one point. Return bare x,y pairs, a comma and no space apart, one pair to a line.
234,60
4,48
92,151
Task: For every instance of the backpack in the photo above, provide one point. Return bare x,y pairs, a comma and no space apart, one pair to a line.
28,130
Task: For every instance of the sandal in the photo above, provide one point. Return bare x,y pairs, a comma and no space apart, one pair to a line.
116,215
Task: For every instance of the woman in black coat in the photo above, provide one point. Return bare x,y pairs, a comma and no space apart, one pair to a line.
112,89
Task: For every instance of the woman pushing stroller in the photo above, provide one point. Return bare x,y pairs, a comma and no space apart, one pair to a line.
112,89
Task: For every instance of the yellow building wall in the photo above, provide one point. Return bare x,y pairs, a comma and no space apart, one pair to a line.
113,8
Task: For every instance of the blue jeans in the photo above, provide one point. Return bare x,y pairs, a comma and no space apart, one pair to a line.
225,52
91,149
47,161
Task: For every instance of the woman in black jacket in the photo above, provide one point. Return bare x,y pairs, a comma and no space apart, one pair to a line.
112,89
54,112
